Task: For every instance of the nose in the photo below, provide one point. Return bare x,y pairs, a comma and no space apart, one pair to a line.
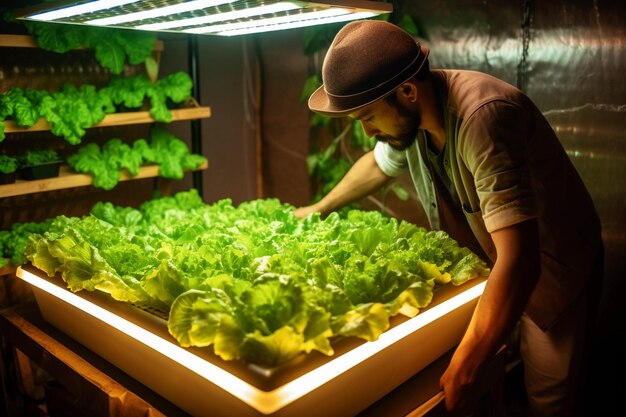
369,129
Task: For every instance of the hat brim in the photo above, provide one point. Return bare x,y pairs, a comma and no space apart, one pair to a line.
319,101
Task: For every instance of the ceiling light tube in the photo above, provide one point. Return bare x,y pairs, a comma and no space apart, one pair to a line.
236,14
158,12
297,24
89,7
273,21
283,23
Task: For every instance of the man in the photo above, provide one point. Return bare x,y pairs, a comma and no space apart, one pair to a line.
488,169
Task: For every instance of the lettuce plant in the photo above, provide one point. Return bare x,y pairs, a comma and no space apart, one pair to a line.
73,109
33,157
164,149
8,164
112,47
253,282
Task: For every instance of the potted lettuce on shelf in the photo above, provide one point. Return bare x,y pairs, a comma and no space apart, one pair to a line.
39,164
105,163
8,168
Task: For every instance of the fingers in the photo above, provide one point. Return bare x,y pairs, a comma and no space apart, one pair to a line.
302,212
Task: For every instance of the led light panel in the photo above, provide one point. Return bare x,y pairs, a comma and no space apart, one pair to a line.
216,17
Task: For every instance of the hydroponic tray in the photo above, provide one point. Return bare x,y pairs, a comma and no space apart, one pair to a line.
204,385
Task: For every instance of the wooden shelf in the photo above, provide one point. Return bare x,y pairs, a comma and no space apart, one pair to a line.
69,179
28,41
118,119
7,270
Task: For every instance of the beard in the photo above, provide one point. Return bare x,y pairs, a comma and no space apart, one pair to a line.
402,140
407,128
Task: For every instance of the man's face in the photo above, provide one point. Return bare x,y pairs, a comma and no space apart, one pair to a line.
390,122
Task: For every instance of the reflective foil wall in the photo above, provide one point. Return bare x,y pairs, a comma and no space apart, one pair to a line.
570,58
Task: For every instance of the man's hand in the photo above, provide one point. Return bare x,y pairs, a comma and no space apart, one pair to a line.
459,385
302,212
512,280
361,180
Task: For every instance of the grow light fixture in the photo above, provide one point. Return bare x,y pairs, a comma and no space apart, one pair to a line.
216,17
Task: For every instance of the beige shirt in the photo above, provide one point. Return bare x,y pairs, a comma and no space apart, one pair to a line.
507,165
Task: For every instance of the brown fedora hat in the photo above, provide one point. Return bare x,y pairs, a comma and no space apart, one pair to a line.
367,60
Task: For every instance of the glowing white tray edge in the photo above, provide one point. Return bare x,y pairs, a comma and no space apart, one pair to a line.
266,402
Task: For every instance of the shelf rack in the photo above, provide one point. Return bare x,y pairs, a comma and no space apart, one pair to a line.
70,179
28,41
117,119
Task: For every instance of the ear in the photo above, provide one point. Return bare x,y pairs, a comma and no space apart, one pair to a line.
407,91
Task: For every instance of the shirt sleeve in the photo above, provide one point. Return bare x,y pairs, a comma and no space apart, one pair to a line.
495,146
390,161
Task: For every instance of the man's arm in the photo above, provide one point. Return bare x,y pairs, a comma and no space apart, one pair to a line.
361,180
509,286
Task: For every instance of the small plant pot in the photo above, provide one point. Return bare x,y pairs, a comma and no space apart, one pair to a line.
37,172
7,178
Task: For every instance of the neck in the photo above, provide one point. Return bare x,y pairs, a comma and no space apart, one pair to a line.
432,114
436,140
